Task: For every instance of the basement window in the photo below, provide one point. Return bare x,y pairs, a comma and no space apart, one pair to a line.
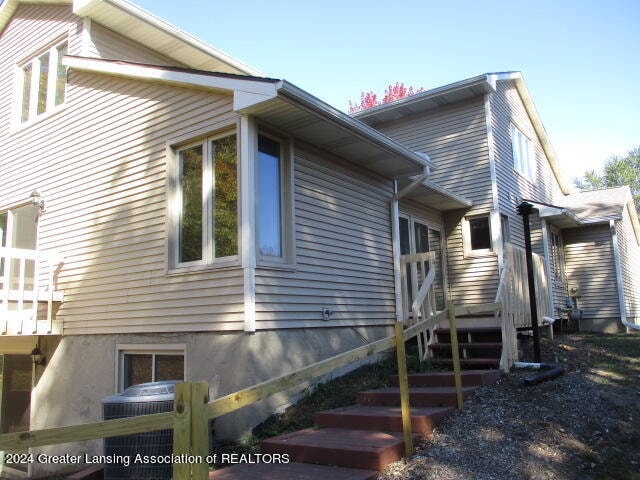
144,363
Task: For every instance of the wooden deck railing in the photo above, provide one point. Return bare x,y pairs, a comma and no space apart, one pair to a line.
421,304
192,408
513,295
27,280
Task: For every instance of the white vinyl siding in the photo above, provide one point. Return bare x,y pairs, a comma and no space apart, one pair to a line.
105,184
344,258
455,137
590,266
630,266
507,110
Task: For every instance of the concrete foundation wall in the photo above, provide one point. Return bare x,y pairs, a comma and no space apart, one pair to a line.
81,370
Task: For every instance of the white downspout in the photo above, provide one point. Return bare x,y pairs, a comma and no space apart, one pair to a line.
616,261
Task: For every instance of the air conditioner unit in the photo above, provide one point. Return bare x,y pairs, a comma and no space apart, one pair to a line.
143,399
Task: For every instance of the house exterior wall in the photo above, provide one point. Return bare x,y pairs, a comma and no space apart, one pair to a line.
228,362
455,137
590,266
630,266
100,162
506,109
343,250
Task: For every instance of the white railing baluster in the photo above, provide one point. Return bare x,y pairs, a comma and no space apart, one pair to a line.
26,298
21,276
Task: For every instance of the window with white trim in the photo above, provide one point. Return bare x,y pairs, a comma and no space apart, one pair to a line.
273,191
204,210
524,159
149,363
42,83
476,234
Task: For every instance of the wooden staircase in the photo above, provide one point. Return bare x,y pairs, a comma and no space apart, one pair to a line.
479,347
357,442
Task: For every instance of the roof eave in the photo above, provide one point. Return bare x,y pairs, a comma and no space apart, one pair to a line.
161,29
480,80
290,91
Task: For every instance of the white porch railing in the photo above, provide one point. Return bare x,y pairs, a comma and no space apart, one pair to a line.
421,304
28,291
513,293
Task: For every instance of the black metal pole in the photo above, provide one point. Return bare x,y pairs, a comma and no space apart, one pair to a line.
525,209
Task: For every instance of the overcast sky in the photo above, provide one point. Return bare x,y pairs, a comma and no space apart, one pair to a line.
580,59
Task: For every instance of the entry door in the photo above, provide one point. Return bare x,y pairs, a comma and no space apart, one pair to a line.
16,393
15,409
418,237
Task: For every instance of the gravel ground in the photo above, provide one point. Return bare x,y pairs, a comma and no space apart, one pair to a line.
582,425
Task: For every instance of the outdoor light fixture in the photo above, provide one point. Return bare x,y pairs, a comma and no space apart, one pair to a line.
37,356
36,199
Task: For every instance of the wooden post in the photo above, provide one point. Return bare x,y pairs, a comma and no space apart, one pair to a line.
404,391
453,333
182,429
199,429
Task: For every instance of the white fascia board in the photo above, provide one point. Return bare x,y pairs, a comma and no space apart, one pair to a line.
83,8
545,211
635,223
300,97
435,92
187,79
537,125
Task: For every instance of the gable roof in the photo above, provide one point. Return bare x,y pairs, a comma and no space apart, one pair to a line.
591,207
141,26
462,90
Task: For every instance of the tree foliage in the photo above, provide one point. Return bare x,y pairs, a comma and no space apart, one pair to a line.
391,93
617,171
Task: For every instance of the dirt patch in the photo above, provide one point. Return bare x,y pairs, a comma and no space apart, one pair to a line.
582,425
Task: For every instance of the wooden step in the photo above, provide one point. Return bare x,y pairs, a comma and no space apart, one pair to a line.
383,418
418,396
290,471
361,449
469,362
446,379
469,346
471,330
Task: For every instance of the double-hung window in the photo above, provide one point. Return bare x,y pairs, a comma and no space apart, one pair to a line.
42,83
205,202
524,159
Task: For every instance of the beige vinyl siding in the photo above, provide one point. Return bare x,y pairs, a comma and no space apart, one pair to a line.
344,258
104,184
506,109
434,218
105,43
32,28
559,288
630,266
472,279
455,138
590,265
